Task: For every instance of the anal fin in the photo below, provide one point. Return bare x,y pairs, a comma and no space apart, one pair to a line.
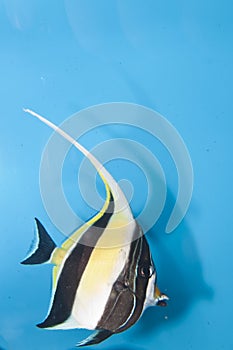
96,338
45,247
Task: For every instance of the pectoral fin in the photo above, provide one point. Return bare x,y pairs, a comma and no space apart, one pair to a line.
45,247
95,338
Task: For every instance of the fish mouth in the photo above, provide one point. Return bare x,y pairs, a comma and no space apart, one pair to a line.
160,298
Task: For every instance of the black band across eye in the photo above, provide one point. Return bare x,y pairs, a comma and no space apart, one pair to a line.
145,271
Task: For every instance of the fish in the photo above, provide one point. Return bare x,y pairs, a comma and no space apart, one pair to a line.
103,275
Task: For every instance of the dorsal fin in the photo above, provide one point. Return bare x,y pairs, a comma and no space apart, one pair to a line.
121,203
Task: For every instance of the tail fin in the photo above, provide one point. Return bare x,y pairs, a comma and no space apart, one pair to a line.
44,249
95,338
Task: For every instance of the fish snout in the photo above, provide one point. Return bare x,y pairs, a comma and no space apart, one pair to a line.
160,298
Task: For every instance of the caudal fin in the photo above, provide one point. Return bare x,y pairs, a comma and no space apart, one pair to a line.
95,338
44,249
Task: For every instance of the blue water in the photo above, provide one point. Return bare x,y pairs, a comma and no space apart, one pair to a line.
175,57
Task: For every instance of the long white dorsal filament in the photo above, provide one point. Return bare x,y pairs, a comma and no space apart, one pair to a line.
121,203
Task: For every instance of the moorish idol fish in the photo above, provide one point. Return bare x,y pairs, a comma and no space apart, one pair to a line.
103,275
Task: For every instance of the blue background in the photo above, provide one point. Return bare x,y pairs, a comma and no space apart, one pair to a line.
58,57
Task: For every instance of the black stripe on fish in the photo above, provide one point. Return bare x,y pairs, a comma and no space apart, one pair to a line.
121,299
73,270
145,270
128,294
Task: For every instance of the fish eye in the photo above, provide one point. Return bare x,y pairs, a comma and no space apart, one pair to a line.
146,271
